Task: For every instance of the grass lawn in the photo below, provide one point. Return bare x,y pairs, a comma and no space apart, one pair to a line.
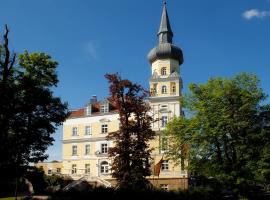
10,198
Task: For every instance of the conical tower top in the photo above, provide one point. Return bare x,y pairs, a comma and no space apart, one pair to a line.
165,33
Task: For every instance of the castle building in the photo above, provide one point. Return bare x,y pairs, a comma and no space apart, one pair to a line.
85,147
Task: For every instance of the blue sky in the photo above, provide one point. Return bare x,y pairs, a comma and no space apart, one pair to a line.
90,38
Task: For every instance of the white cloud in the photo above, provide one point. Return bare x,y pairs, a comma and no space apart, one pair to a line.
255,13
92,50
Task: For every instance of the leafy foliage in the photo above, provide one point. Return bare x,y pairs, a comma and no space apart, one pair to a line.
131,152
227,132
29,112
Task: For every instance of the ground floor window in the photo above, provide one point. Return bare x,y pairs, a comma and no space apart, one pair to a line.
104,167
164,186
74,169
87,168
165,165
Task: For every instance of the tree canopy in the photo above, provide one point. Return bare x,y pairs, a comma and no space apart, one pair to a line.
226,128
29,111
131,152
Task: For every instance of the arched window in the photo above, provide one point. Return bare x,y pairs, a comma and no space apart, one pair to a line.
104,167
163,71
164,89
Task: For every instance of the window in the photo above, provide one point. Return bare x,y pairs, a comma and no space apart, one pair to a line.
173,89
87,149
58,170
88,110
74,169
165,165
164,144
164,89
104,167
163,71
49,171
164,186
87,169
87,130
104,108
74,131
164,121
104,128
104,148
74,150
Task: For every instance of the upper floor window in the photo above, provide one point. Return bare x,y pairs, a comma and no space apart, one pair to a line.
74,150
104,128
165,165
58,170
104,148
87,149
104,108
74,131
88,110
87,130
164,144
164,121
163,71
164,89
104,167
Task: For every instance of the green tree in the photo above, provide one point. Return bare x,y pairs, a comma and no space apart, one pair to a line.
226,129
29,111
131,152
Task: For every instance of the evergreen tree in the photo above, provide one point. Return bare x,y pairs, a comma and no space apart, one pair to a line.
131,153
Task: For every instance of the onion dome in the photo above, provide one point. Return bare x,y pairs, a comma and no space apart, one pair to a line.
165,49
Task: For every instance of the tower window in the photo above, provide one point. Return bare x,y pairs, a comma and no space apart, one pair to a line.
163,71
173,89
164,89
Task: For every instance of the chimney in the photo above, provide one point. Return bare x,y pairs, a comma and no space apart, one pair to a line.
93,99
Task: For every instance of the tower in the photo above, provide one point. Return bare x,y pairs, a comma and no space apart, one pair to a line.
165,81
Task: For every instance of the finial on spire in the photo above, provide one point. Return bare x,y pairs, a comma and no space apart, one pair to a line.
164,2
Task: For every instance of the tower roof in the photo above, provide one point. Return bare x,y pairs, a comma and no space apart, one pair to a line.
165,26
165,48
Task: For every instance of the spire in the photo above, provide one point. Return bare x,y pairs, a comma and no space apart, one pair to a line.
165,33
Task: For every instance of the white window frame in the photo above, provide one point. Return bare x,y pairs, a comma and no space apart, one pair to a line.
164,121
164,89
74,150
73,169
87,149
164,186
104,108
165,165
163,71
104,128
87,168
88,110
87,130
104,148
104,167
74,131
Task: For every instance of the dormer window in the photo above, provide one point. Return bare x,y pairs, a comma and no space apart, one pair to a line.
104,108
163,71
88,110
